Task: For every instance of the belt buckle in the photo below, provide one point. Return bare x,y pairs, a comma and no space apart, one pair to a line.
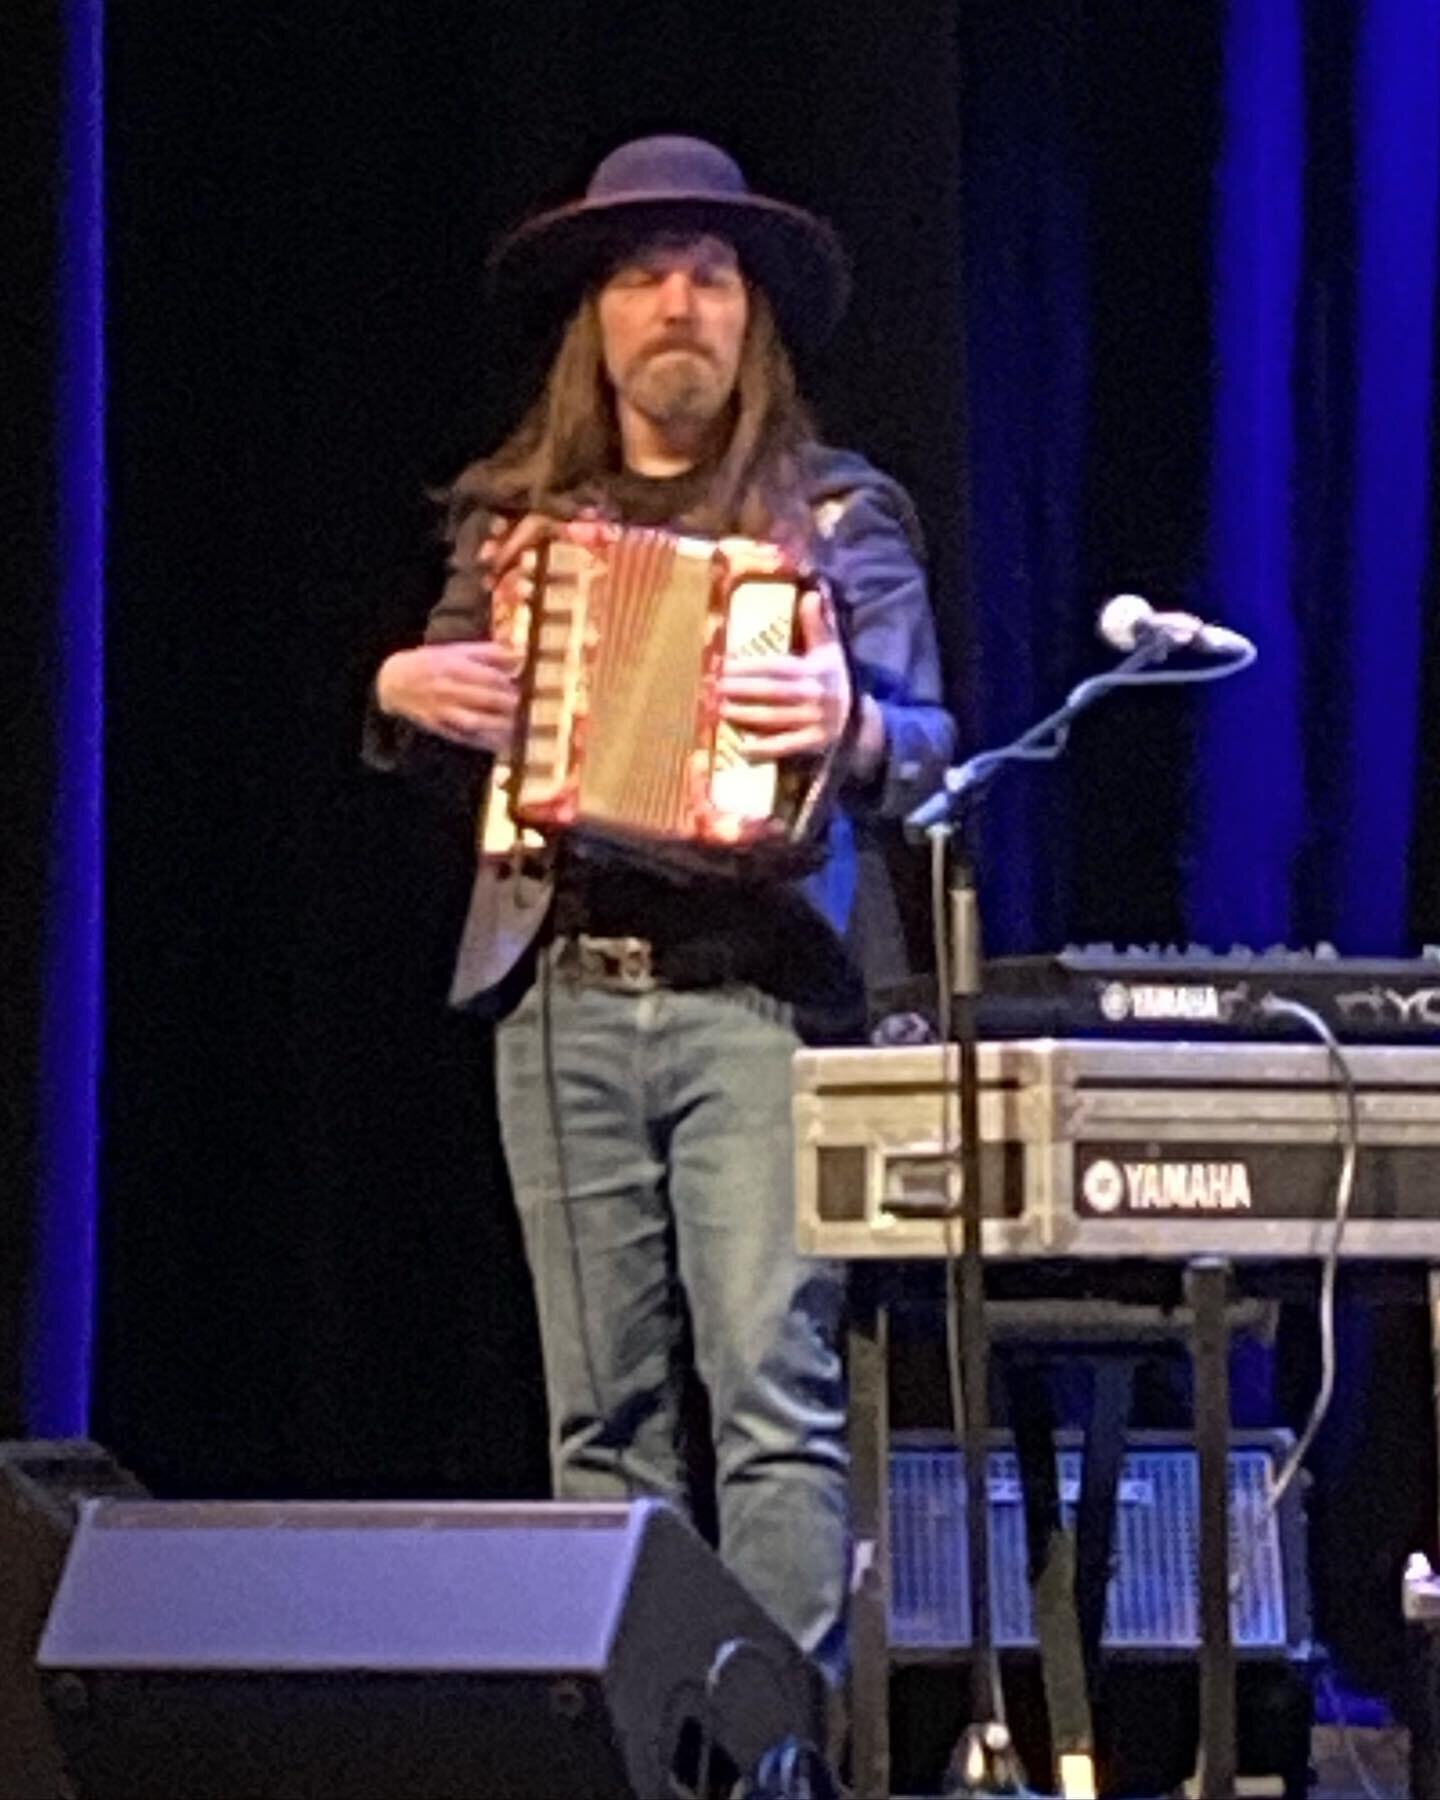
625,963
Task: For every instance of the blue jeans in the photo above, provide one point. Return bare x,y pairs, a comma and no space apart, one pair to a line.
649,1143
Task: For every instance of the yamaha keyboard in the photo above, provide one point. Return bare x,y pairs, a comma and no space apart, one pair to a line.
1149,992
1112,1149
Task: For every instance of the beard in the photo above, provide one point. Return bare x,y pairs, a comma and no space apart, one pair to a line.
677,388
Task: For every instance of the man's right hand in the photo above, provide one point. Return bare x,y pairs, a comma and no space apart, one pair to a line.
466,692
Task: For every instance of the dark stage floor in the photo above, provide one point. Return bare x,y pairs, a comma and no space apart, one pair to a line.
1383,1755
1367,1763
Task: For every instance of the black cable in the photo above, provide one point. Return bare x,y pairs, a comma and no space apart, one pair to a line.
792,1768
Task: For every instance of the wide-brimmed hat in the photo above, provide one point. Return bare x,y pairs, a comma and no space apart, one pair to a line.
655,185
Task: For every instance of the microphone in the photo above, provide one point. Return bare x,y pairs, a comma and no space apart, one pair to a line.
1127,621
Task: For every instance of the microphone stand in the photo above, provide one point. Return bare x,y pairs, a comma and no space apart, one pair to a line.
984,1749
966,1279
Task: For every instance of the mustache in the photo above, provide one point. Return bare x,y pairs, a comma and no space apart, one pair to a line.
676,341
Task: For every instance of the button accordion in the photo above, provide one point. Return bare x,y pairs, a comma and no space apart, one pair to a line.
619,735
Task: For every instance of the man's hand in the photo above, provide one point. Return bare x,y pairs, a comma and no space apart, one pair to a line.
799,705
467,693
511,543
793,705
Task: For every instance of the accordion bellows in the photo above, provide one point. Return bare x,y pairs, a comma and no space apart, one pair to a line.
619,734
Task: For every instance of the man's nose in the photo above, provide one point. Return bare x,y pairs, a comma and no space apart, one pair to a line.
677,294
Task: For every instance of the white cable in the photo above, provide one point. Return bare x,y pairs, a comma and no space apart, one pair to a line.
1344,1195
1371,1789
1246,1553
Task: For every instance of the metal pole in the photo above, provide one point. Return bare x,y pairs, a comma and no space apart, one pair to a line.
1207,1282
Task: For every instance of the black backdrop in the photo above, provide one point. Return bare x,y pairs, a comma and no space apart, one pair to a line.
311,1280
311,1275
30,59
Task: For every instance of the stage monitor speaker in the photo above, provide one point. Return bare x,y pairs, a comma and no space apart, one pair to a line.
217,1651
41,1486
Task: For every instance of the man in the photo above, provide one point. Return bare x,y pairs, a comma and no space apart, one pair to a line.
648,1022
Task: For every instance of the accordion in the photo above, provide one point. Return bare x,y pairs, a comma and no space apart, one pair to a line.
619,735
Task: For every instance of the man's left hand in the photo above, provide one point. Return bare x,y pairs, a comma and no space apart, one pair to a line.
794,705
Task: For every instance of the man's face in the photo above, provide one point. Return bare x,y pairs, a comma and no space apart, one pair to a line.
672,324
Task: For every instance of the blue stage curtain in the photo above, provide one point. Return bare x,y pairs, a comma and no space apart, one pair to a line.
1321,519
1200,262
60,1321
1200,251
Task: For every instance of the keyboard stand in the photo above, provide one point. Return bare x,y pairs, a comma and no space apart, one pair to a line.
1025,1332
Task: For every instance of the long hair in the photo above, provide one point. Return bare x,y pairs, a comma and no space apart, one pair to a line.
566,451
